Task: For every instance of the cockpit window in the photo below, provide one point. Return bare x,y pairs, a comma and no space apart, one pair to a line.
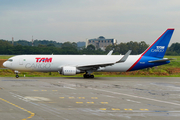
10,60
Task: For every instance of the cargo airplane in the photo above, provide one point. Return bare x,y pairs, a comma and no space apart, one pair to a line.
75,64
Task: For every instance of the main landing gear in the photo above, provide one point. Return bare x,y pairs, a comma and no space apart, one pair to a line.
16,72
88,74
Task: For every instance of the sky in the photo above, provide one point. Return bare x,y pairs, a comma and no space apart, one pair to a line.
78,20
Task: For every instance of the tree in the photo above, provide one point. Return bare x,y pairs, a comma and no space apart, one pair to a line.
69,48
142,47
109,48
51,45
91,47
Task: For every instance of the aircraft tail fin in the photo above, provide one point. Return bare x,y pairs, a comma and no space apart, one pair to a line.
159,47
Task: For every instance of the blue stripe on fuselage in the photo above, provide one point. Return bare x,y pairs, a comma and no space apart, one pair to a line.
143,63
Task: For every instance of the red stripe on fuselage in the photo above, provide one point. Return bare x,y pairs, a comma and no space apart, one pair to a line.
135,63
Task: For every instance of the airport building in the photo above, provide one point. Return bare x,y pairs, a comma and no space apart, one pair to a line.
101,42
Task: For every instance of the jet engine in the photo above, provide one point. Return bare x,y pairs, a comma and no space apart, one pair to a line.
69,70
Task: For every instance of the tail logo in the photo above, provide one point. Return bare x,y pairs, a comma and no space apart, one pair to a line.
158,49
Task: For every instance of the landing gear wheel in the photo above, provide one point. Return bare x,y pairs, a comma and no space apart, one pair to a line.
88,76
84,75
91,76
16,72
17,76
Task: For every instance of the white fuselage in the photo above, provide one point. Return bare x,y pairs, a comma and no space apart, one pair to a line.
53,63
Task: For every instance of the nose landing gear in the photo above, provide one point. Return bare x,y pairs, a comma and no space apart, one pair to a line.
16,72
17,75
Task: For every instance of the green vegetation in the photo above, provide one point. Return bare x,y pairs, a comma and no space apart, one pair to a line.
5,56
53,47
174,49
175,62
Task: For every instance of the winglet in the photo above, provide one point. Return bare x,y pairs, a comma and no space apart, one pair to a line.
110,52
123,59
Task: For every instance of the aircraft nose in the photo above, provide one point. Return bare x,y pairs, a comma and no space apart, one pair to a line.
4,64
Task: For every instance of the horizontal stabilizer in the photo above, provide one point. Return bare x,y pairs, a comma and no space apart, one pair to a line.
162,60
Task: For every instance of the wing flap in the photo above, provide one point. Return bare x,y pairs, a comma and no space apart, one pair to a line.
88,67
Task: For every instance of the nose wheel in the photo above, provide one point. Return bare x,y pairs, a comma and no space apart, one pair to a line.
17,76
16,72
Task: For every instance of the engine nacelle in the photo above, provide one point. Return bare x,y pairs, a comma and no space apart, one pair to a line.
69,70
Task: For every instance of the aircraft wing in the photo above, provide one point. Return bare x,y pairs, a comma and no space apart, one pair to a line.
97,66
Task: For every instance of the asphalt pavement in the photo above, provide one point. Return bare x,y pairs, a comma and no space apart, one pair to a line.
120,98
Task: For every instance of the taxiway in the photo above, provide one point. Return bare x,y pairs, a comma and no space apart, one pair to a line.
86,99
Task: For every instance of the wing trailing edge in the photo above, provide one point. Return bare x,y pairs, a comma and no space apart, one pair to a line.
97,66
